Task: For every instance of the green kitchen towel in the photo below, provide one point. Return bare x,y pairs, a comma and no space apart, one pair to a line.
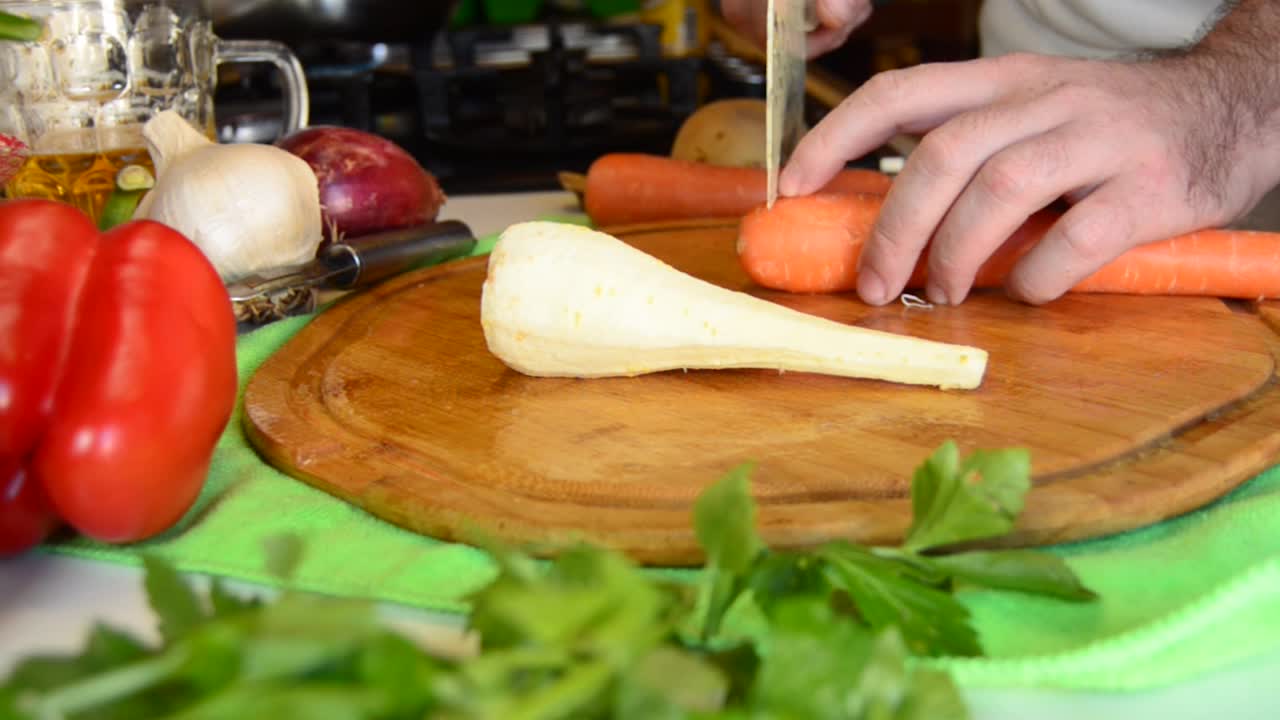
1178,599
349,553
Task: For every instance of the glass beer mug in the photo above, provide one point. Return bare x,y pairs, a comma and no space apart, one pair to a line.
80,94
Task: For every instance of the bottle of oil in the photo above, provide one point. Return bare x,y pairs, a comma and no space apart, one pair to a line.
686,26
81,167
83,179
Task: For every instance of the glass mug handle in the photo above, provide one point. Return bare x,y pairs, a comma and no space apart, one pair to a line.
298,100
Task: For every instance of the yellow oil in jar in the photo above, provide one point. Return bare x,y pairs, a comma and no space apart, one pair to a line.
83,179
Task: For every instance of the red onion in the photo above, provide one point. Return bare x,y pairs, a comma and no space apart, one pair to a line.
367,183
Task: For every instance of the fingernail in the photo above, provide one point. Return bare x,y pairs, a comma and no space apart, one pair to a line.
871,287
936,295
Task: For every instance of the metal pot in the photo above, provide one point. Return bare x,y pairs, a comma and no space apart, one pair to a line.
298,21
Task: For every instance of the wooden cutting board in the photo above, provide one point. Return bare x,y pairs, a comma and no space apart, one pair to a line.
1135,409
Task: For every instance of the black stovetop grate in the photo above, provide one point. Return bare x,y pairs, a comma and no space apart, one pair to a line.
559,107
483,126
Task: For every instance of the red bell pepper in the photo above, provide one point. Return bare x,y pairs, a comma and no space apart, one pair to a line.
117,374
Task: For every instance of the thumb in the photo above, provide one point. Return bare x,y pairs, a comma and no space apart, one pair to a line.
843,15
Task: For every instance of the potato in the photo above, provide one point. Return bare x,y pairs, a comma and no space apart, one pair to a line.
725,132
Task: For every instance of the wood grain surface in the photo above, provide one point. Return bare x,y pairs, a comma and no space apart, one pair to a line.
1134,408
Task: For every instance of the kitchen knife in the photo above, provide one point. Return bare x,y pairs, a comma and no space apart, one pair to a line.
788,23
361,261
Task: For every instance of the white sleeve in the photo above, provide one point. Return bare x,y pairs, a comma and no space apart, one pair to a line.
1090,28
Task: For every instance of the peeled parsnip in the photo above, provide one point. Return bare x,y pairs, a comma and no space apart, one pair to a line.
566,301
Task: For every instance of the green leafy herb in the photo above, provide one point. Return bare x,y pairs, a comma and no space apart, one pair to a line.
724,518
13,27
1018,570
557,642
955,501
175,604
670,681
225,603
824,665
104,649
284,553
888,593
809,669
760,634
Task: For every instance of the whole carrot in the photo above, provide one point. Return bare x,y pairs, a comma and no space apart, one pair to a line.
625,188
812,244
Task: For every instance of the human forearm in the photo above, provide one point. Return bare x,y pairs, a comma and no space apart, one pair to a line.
1247,28
1237,64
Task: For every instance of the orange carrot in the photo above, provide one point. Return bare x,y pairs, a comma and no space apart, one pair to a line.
624,188
812,244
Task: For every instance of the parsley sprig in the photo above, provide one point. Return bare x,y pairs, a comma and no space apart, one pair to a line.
759,634
15,27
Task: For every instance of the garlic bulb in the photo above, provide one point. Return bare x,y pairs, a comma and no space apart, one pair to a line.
248,207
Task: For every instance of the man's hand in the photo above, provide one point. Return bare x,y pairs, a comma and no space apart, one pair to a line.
836,20
1141,150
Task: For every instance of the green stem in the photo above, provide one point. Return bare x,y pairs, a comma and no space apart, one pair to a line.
119,208
17,28
106,688
132,182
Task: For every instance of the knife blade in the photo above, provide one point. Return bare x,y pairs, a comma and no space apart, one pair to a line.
788,22
361,261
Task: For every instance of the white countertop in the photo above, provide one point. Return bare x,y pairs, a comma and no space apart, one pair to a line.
49,602
488,214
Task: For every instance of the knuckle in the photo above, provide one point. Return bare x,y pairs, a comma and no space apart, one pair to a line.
940,153
891,251
888,239
887,86
949,149
1005,178
1084,234
949,269
1020,173
1159,170
954,259
824,140
1072,95
944,259
1022,66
